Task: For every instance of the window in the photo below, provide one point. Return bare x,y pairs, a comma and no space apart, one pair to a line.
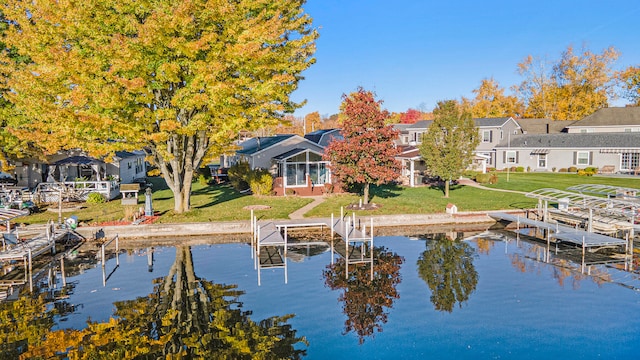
582,158
296,174
629,161
318,173
511,157
542,161
486,136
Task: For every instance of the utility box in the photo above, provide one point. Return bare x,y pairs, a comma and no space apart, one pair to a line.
129,193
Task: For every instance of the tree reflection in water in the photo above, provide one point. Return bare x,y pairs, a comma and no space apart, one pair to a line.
365,299
447,268
185,317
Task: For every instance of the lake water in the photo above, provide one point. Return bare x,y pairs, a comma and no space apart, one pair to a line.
489,296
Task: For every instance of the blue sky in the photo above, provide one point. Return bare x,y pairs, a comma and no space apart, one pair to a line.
413,53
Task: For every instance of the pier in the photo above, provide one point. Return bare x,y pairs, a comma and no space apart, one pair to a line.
270,240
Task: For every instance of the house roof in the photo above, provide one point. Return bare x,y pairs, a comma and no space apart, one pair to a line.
491,122
422,124
573,140
613,116
256,144
324,137
78,160
127,154
293,152
542,126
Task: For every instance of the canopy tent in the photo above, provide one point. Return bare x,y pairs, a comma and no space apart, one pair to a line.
80,161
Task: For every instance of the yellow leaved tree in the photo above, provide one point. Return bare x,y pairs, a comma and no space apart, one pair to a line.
177,78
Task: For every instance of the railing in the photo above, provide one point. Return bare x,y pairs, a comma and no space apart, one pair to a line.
49,192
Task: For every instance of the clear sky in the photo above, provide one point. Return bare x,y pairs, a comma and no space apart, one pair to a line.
413,53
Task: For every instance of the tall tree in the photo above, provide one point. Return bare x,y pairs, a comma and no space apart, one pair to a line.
630,79
573,87
447,146
490,101
366,155
177,78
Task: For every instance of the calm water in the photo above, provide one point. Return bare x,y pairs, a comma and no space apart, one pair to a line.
484,297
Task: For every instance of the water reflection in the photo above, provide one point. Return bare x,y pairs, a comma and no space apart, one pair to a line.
447,268
366,298
185,316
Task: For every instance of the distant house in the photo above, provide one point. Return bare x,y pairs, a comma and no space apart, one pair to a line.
614,119
546,152
492,131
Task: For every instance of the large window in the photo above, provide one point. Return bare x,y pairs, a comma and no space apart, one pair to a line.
511,157
582,158
296,174
630,161
318,173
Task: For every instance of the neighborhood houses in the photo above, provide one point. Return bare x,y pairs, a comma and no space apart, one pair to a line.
608,140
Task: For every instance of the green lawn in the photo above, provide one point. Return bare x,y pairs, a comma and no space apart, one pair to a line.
222,203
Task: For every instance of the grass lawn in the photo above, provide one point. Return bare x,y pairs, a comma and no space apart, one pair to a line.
222,203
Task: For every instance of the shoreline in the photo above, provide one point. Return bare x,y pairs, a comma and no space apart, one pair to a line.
228,228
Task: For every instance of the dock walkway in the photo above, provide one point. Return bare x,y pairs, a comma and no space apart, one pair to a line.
563,233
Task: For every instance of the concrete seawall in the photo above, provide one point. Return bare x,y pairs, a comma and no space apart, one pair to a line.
155,231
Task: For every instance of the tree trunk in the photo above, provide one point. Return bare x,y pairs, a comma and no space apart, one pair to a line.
365,196
446,188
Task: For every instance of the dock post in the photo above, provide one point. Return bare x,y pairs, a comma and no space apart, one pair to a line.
117,251
30,272
331,226
62,274
353,223
256,258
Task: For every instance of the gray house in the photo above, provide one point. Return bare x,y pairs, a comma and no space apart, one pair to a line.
294,161
492,132
546,152
614,119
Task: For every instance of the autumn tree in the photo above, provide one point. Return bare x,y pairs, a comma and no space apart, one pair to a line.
571,88
448,145
366,155
179,79
630,81
311,122
446,266
491,102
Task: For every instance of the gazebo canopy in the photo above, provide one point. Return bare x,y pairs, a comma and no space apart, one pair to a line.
79,160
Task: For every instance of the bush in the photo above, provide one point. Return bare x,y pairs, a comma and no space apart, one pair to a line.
483,178
562,170
528,168
260,181
471,174
96,198
202,180
553,169
238,175
493,179
573,169
588,171
520,169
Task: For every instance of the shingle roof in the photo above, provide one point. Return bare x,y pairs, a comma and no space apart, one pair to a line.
422,124
619,116
543,126
491,122
256,144
573,140
324,137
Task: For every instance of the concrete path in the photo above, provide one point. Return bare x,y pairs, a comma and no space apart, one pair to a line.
469,182
299,214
